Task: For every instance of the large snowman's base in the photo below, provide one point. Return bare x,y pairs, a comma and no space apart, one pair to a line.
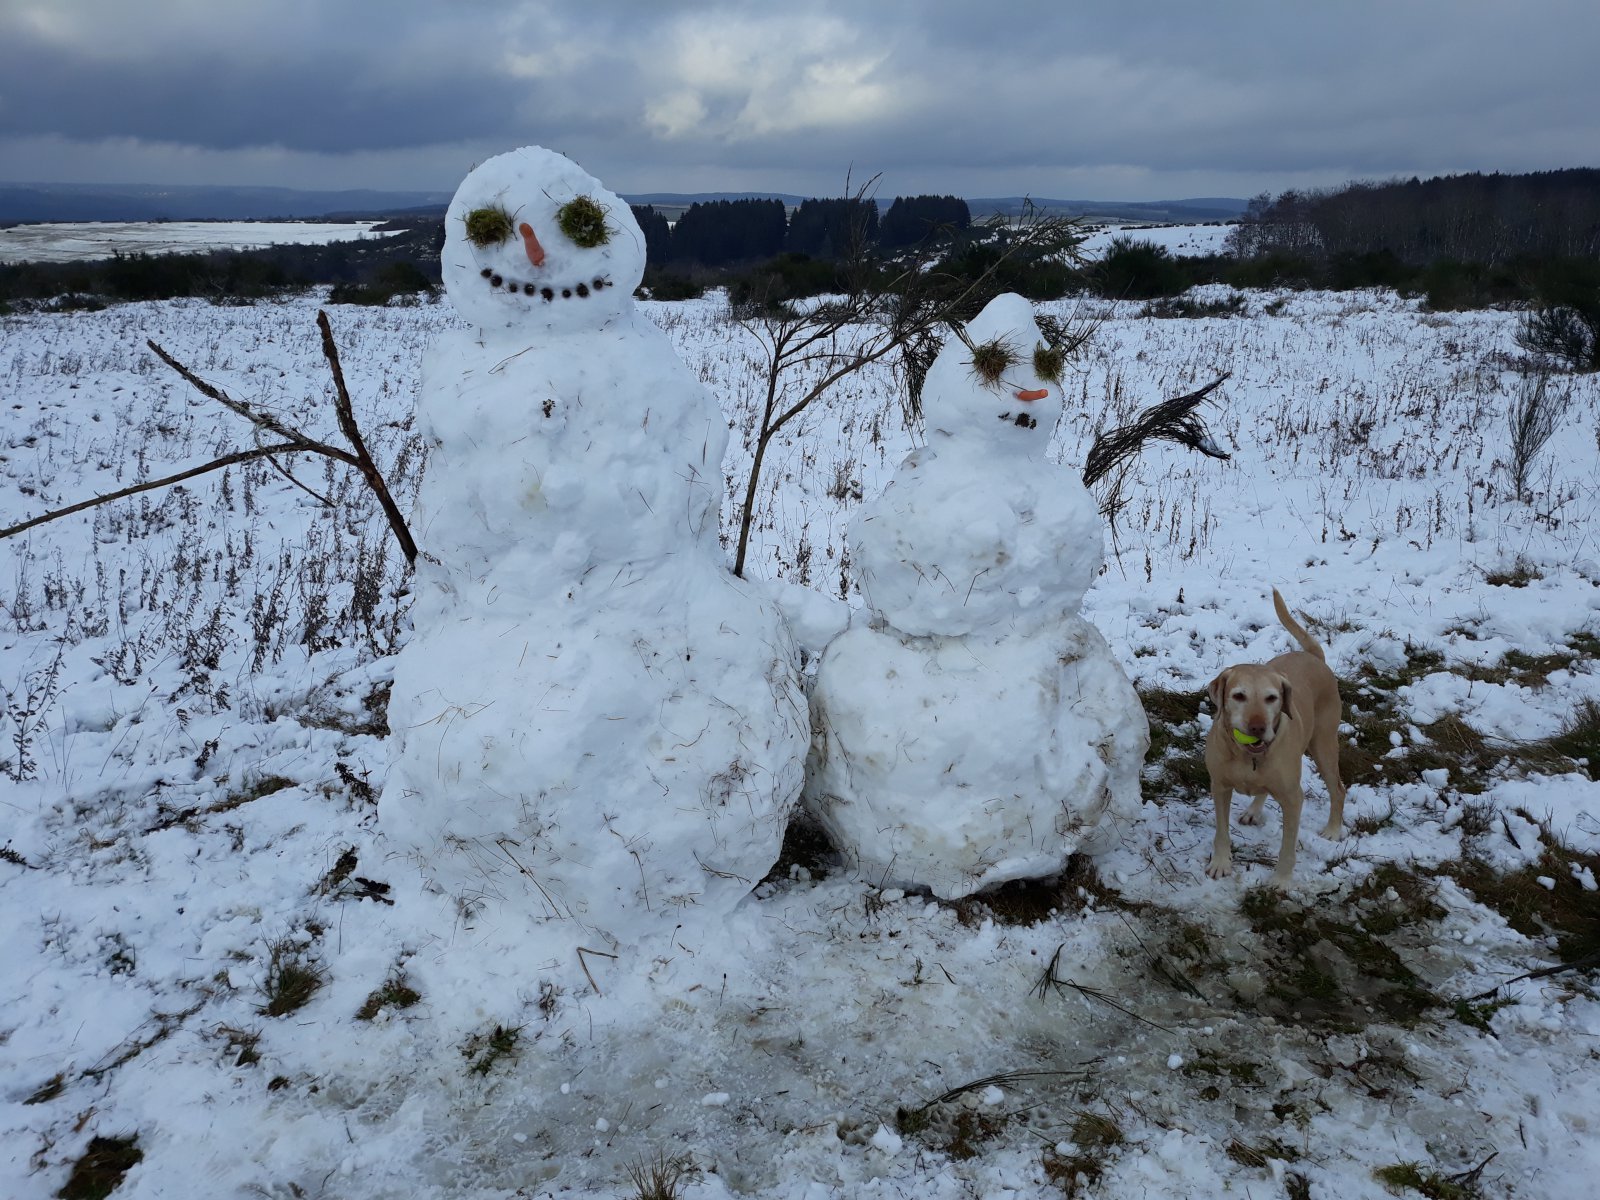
957,763
649,771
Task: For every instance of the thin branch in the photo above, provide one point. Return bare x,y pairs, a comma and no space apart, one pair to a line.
289,475
1577,964
259,419
352,432
214,465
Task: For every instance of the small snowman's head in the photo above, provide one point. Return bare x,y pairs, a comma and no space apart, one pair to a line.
532,239
998,383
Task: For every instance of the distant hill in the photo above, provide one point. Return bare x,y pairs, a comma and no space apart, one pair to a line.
31,202
1159,212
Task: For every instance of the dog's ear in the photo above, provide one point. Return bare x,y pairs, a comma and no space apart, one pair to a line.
1284,690
1217,688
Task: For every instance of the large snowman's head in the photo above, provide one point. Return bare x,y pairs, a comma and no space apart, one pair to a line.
532,240
1000,384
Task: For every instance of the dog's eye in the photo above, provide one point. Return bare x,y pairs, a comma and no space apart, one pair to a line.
1272,699
1240,696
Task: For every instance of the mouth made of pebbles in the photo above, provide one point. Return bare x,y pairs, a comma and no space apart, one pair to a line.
1020,419
576,291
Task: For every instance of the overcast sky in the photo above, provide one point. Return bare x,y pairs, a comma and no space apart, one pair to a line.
1151,100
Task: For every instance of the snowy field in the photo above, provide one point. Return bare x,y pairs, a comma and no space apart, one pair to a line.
84,240
1182,241
193,740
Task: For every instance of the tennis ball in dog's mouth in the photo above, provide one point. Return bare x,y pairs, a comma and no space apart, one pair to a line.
1244,739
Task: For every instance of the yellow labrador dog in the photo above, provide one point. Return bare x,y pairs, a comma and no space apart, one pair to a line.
1268,716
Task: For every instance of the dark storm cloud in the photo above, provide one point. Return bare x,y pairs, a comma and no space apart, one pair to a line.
1009,96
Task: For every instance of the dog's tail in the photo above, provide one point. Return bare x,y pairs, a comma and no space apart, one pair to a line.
1294,627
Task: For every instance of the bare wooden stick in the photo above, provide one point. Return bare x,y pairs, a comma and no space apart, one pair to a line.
214,465
352,432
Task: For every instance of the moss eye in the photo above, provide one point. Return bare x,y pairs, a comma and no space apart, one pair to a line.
584,222
991,360
488,226
1048,362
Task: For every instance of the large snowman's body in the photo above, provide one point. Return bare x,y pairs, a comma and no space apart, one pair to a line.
976,729
594,720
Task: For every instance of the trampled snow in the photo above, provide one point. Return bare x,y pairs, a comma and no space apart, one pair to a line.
194,740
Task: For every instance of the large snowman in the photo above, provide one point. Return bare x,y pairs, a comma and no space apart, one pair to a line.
975,728
594,723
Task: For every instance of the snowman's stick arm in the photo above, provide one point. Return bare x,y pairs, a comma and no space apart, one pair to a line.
150,485
352,432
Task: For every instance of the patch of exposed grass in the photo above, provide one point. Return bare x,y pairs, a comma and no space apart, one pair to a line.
395,993
1093,1130
1261,1155
49,1089
1476,1015
293,977
1518,575
484,1050
1175,764
662,1178
1414,900
1240,1071
242,1043
1400,1177
1323,968
1578,742
1563,911
1073,1172
99,1171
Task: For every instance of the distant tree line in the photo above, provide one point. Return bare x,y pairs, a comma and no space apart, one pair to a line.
363,272
720,233
1489,219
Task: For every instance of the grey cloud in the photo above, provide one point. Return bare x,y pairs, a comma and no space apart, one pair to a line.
662,95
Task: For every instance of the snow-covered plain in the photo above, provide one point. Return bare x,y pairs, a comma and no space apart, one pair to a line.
194,741
81,240
1181,241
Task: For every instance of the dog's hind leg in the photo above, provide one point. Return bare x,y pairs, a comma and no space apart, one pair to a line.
1291,803
1325,753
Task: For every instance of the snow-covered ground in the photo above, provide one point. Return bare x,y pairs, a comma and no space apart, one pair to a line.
193,742
82,240
1182,241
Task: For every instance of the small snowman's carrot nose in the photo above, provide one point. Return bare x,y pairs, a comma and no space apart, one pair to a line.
531,244
1040,394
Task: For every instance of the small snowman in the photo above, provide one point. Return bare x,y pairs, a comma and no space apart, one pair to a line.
975,728
594,721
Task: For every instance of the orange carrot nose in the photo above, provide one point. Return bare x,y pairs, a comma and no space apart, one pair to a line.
1038,395
531,244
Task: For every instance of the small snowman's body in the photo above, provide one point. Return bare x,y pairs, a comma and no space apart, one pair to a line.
976,729
594,720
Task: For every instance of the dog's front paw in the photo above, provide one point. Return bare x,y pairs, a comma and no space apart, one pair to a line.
1333,831
1220,867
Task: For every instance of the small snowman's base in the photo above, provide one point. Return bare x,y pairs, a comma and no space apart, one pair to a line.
957,763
